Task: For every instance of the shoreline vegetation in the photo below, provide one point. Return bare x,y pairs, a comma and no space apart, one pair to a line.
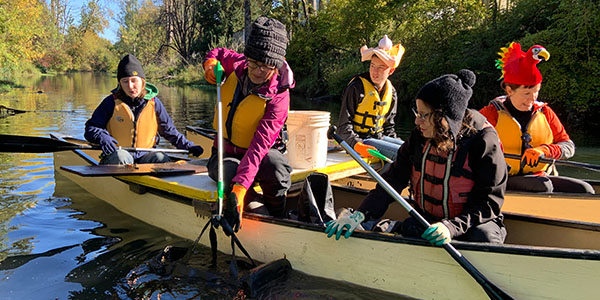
440,37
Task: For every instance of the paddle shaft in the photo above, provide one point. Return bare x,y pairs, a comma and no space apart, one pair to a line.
492,290
559,162
36,144
19,111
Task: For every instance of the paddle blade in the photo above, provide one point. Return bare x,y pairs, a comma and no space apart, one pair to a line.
219,72
34,144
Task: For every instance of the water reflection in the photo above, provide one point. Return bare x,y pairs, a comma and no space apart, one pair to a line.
58,241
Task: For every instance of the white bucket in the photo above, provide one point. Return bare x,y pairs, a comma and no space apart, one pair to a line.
307,145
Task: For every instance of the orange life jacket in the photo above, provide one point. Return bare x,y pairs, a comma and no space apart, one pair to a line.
515,141
129,132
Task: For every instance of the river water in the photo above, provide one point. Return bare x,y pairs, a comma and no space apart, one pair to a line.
59,242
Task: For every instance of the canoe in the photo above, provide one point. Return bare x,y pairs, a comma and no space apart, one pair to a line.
561,206
524,267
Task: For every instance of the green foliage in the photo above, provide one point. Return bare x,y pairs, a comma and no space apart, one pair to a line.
141,33
219,20
19,36
444,36
189,75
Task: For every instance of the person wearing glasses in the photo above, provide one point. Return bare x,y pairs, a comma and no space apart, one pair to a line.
369,103
255,99
529,128
453,165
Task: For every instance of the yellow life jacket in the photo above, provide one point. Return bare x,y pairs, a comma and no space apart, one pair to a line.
128,131
241,120
371,111
515,141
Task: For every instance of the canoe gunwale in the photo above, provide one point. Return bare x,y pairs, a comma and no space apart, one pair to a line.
461,245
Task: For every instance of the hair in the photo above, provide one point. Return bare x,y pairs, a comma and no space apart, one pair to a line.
442,137
120,93
513,86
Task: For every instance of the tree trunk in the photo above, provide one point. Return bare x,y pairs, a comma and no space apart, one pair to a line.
305,9
247,20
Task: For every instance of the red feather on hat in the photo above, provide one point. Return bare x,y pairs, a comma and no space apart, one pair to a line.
519,67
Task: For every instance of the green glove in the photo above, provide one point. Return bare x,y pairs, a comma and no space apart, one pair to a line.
347,222
437,234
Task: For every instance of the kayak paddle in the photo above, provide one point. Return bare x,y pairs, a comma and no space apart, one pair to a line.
560,162
36,144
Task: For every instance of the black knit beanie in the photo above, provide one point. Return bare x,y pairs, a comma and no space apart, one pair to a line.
451,93
130,66
267,42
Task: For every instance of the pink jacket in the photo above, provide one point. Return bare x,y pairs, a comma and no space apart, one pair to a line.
274,118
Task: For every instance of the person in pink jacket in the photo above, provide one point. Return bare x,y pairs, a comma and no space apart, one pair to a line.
255,99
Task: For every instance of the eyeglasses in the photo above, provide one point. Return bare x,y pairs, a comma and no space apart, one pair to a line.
254,65
421,116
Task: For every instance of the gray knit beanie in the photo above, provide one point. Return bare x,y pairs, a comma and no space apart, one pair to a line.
451,93
267,42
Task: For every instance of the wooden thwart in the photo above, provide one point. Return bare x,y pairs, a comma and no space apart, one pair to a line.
159,169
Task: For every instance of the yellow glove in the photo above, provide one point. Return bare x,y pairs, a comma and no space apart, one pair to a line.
532,156
437,234
362,149
209,73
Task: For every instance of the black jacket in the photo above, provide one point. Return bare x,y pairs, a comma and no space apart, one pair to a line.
489,171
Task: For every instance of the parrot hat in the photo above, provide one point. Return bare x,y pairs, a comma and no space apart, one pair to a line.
520,67
386,51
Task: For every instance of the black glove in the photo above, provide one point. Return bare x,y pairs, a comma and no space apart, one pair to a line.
196,150
107,144
231,212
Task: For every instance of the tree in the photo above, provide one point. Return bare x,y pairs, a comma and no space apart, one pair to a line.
141,32
20,33
83,43
182,25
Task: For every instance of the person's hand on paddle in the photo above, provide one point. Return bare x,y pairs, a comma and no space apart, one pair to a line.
437,234
362,148
107,144
532,156
196,150
347,222
209,73
235,206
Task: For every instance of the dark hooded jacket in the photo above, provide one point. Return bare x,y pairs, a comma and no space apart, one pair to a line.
489,171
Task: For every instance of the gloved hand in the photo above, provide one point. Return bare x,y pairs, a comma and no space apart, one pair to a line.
437,234
532,156
235,206
107,144
196,150
348,222
362,148
209,73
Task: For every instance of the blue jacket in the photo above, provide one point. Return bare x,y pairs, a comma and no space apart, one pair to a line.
96,125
